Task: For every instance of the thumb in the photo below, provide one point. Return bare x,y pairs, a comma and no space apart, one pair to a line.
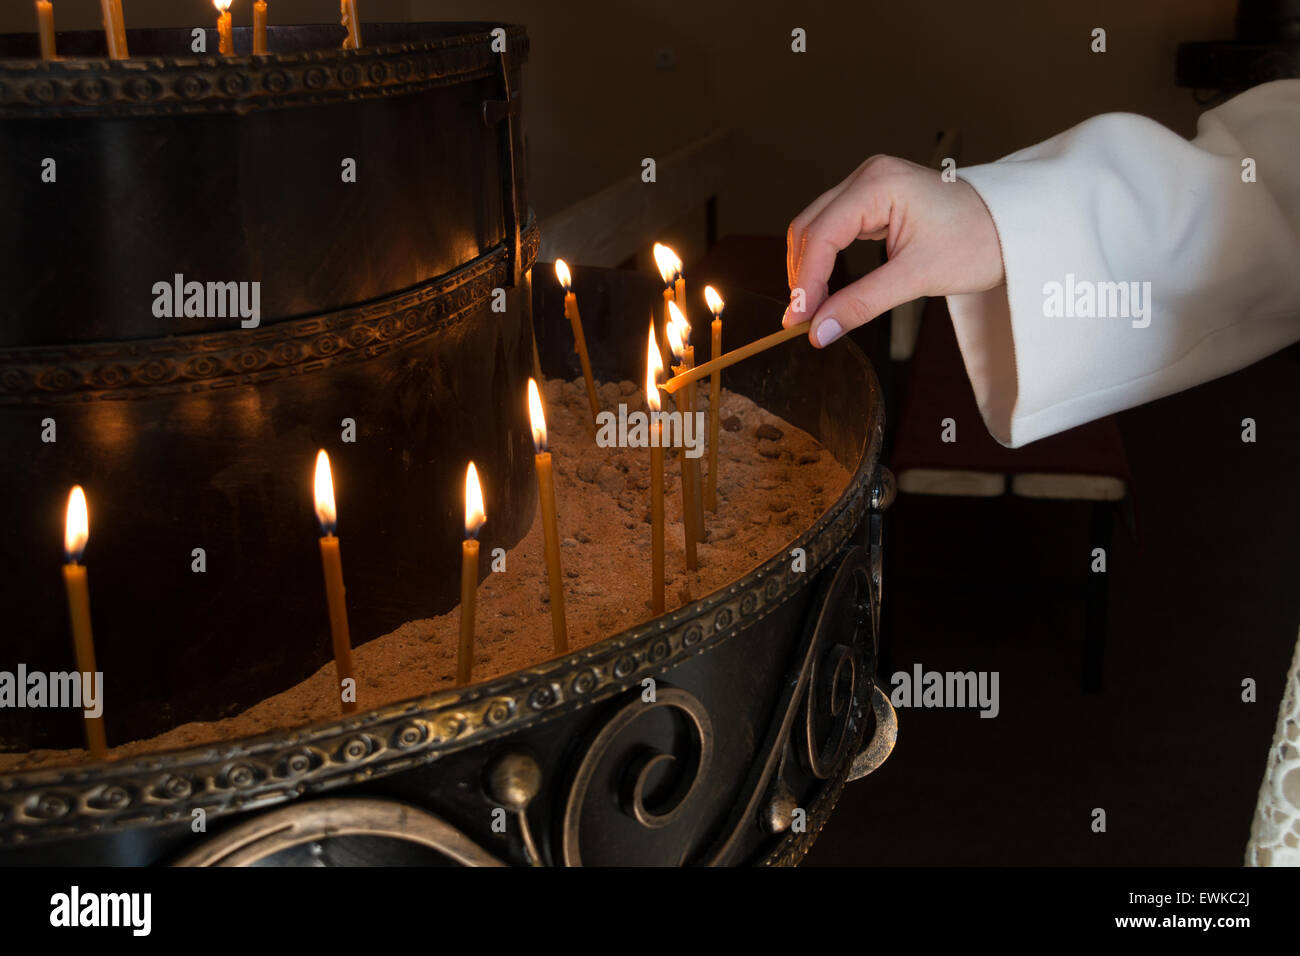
880,290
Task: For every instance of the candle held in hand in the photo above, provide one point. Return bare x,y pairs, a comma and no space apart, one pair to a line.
76,533
579,339
678,382
225,39
475,516
332,565
550,527
715,396
45,28
653,369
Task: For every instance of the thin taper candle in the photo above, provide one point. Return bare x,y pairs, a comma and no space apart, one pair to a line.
475,516
114,28
225,39
550,526
678,382
579,339
348,8
690,528
259,28
654,366
332,566
716,306
45,28
76,532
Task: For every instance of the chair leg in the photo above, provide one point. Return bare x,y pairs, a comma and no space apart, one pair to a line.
1096,622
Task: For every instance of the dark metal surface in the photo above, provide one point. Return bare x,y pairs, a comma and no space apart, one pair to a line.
763,692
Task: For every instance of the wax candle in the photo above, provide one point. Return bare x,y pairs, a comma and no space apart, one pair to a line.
332,564
691,533
114,28
716,306
350,20
579,339
678,382
653,368
259,28
550,528
665,261
45,28
76,531
475,516
677,317
227,43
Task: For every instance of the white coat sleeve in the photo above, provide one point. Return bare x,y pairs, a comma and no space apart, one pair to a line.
1209,263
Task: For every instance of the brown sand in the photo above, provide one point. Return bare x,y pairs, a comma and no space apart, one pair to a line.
773,481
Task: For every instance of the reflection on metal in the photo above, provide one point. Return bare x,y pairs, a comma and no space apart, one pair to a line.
632,796
882,741
513,781
264,836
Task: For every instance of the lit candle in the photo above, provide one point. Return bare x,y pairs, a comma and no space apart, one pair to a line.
75,533
665,260
684,406
678,382
227,43
546,493
475,516
579,339
654,366
259,28
114,28
677,318
350,20
45,27
332,563
716,306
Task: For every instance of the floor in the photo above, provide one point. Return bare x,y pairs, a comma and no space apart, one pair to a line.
1209,598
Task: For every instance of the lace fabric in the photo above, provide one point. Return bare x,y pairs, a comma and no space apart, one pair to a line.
1275,834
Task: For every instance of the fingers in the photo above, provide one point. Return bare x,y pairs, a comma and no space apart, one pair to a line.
795,234
880,290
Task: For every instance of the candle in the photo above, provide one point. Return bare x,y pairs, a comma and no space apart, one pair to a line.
684,406
76,532
350,20
546,493
259,28
579,339
715,396
678,382
223,27
45,27
665,260
678,318
332,564
653,367
114,28
475,516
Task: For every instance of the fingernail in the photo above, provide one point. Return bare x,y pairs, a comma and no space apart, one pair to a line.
828,332
785,318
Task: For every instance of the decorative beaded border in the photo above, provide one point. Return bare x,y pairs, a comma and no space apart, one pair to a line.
96,87
233,776
48,375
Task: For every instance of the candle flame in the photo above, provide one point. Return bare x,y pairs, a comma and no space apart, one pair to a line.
654,367
537,417
679,331
675,342
475,515
669,265
221,5
562,273
76,528
716,305
325,512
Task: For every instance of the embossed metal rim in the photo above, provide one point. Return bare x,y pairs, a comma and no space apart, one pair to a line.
96,87
194,363
252,772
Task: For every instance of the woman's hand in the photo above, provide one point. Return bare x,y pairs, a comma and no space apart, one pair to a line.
939,236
